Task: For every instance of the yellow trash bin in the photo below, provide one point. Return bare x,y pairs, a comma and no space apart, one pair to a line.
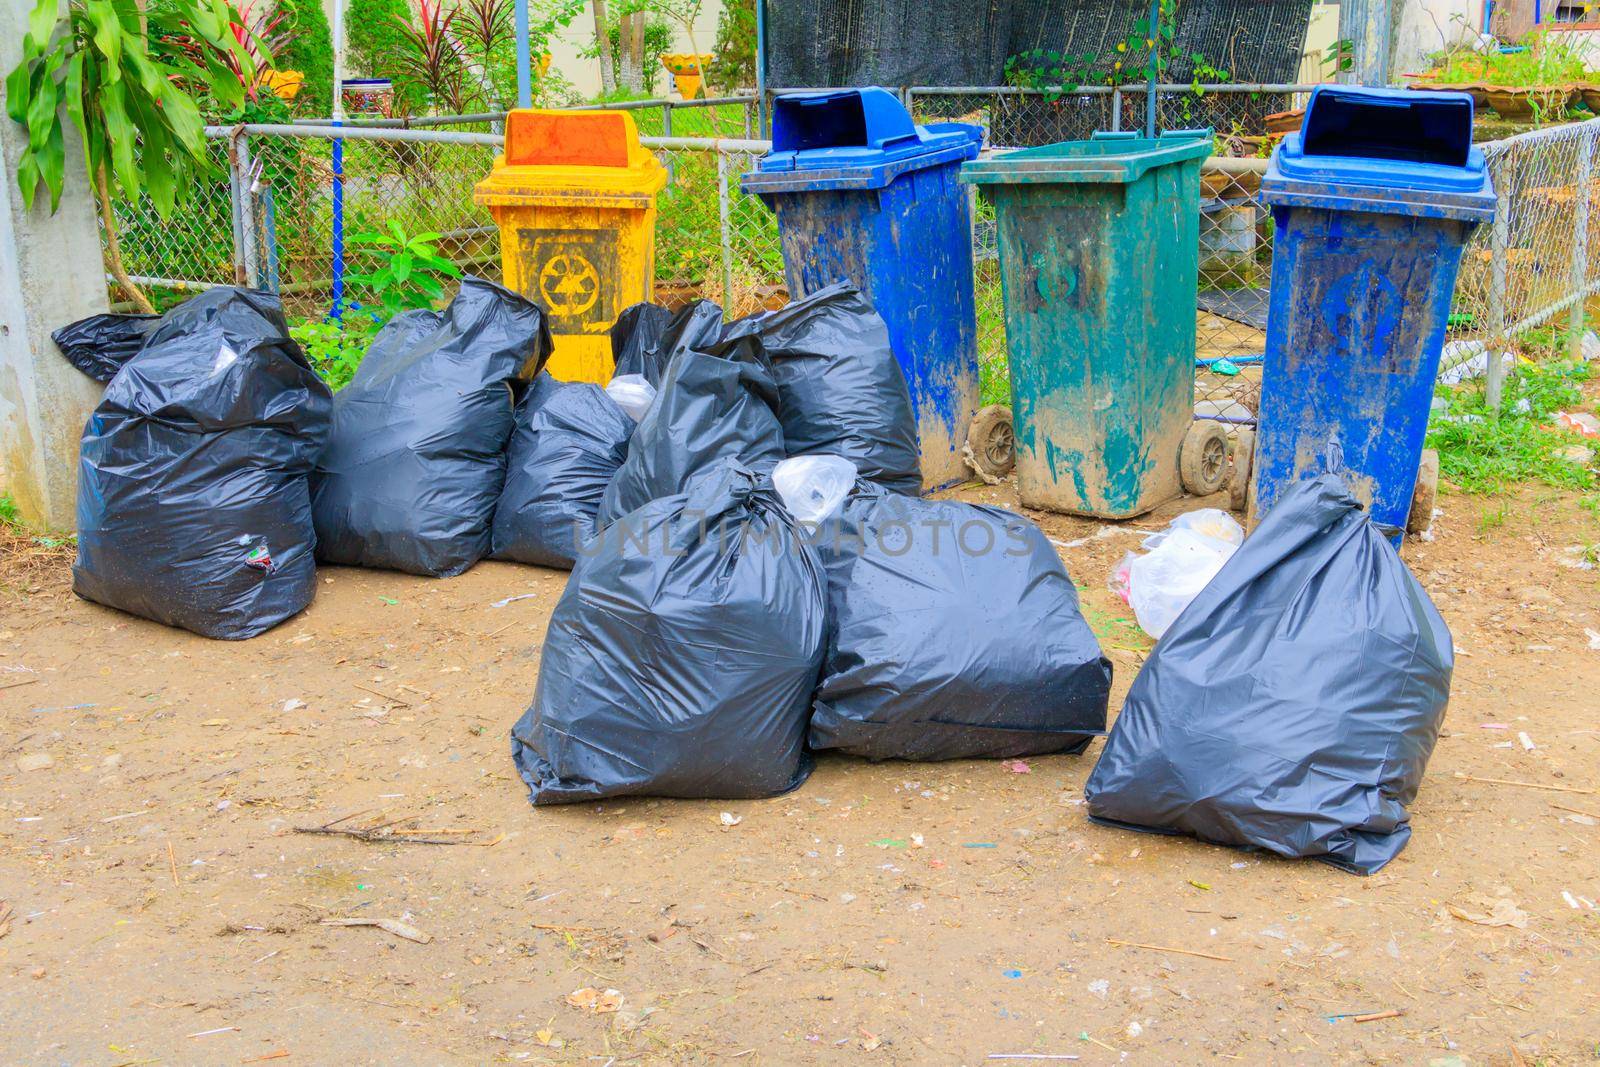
574,195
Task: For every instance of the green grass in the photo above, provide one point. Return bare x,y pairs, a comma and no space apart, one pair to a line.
1483,451
11,519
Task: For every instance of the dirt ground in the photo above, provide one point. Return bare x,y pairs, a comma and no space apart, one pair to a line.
165,910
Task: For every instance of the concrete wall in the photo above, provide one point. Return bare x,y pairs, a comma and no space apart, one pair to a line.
1422,27
50,275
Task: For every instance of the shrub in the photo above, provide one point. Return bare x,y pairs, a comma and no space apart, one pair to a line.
309,49
734,67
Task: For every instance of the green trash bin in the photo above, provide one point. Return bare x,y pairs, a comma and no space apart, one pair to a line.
1099,256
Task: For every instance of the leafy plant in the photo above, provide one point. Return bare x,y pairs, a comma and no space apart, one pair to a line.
258,33
406,271
486,29
1340,57
9,515
657,43
375,38
140,125
1146,53
1486,451
432,59
1545,59
335,347
735,64
685,13
309,49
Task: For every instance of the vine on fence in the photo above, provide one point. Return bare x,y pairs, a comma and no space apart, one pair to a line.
1147,52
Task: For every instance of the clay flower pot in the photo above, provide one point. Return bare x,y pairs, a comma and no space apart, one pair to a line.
1478,92
1285,121
366,96
687,71
1520,102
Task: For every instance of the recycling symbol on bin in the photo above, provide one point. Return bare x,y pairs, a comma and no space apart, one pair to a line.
569,284
573,276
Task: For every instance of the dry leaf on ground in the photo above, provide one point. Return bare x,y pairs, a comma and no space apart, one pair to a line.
1502,912
595,1001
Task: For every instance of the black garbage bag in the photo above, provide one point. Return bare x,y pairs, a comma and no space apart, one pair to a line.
712,405
646,337
194,504
100,344
681,659
1293,705
956,634
417,458
840,389
569,441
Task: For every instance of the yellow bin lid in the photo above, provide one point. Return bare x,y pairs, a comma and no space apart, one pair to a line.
572,159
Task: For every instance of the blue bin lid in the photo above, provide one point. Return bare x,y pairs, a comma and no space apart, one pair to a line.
1385,150
852,139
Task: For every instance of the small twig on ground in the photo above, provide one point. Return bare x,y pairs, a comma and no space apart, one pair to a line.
172,862
278,1054
1167,948
380,834
1102,1044
1374,1016
1528,785
1575,811
380,693
25,681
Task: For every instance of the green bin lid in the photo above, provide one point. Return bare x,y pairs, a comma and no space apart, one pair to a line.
1115,158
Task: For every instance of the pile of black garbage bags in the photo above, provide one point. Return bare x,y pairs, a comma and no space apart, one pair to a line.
719,626
755,576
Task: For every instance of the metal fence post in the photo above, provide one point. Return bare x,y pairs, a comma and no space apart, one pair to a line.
247,214
1116,109
725,217
1500,240
1580,246
235,212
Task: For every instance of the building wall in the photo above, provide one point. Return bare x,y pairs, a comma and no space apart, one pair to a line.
1423,27
1321,34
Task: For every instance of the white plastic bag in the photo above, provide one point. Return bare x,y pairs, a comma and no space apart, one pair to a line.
633,394
1178,563
813,487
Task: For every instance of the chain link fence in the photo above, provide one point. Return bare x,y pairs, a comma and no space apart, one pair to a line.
1532,270
1016,117
268,217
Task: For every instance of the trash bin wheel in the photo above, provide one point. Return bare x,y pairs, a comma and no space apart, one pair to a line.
1425,494
1203,459
991,446
1244,461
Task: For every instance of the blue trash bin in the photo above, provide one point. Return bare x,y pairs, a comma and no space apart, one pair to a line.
1371,202
864,195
